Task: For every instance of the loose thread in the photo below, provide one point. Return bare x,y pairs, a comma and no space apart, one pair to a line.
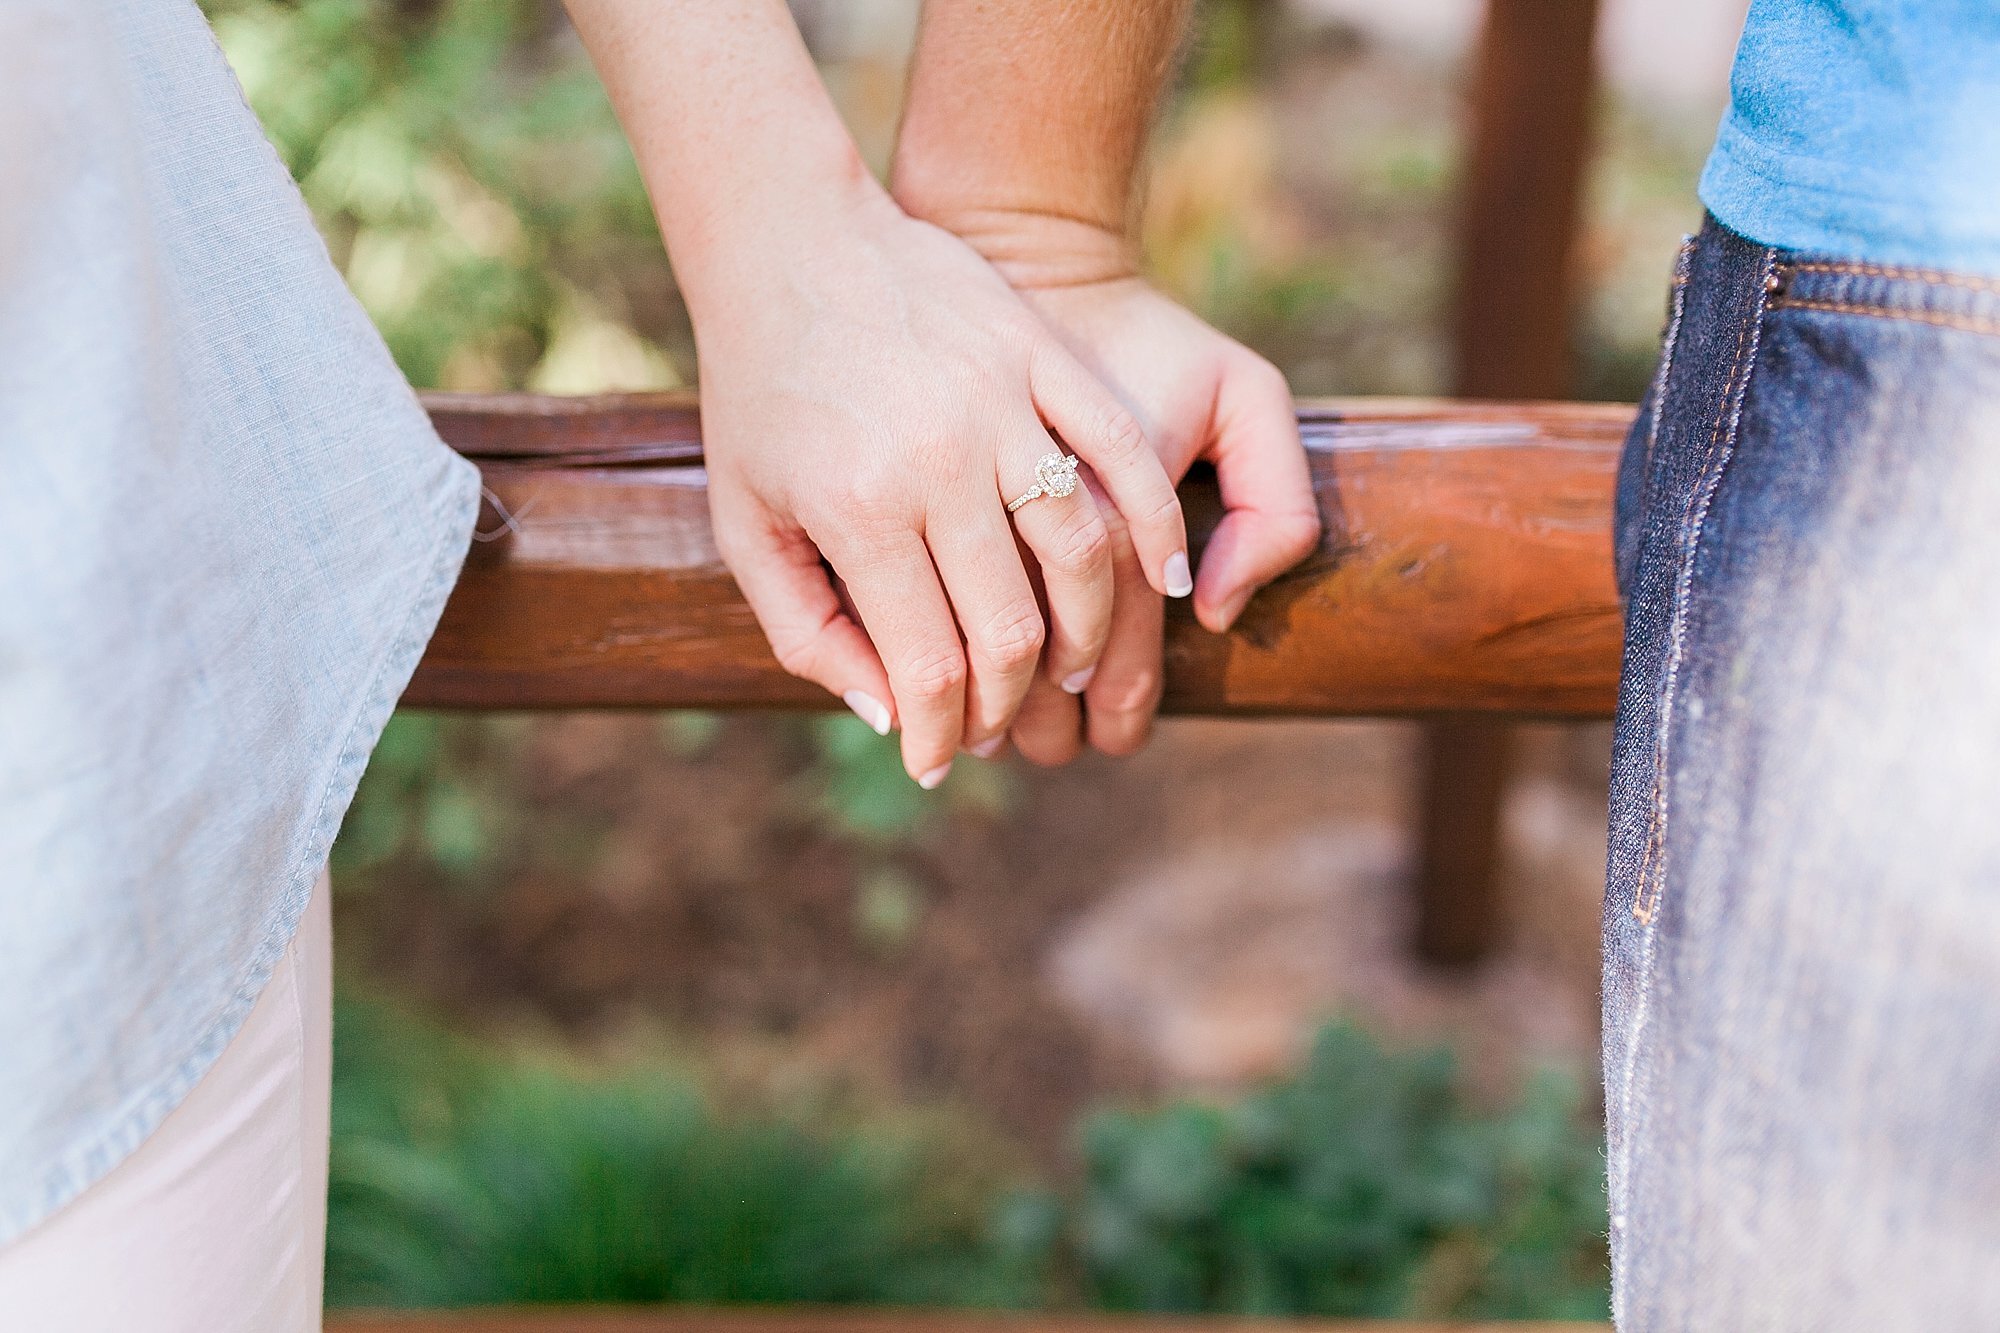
509,522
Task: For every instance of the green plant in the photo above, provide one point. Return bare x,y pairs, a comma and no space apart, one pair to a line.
1364,1185
460,1176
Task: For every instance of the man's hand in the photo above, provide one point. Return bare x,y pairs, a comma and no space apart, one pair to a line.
1198,395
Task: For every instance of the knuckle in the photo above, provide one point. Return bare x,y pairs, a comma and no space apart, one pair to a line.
1088,638
801,654
1268,377
742,542
1164,513
738,556
1013,639
871,499
940,455
1019,334
934,676
1259,374
1020,328
1082,544
1120,438
857,542
797,657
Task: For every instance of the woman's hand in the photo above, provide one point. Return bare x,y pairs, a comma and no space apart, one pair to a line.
872,396
1197,395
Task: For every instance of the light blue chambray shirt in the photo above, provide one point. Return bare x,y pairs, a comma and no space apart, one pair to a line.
1865,128
226,532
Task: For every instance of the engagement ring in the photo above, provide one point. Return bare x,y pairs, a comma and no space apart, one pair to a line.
1055,474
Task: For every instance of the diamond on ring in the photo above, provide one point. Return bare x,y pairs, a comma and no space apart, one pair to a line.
1055,474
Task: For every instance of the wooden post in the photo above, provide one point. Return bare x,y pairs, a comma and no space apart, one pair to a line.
1515,337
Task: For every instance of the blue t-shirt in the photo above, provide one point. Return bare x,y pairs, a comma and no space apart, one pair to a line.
1867,128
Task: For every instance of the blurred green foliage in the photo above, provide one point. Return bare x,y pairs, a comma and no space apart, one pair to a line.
461,1176
1364,1185
432,794
463,163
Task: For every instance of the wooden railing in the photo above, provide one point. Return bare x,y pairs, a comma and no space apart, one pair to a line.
1465,569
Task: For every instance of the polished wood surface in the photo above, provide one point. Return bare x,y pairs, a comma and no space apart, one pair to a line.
612,1319
1466,568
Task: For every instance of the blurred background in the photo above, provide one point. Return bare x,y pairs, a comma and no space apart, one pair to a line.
692,1007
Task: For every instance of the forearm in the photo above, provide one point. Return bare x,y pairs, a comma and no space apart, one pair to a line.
740,146
1026,123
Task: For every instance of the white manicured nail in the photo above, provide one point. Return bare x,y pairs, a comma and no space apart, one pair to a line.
930,780
869,709
987,748
1078,681
1179,581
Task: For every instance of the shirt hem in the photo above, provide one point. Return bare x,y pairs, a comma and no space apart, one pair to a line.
84,1166
1782,200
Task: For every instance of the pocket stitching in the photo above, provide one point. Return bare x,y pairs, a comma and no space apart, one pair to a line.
1721,447
1683,266
1931,275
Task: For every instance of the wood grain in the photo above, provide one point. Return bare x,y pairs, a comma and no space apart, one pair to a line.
1466,568
612,1319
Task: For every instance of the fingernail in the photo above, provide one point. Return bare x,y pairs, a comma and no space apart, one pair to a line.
930,780
987,748
869,709
1078,681
1179,581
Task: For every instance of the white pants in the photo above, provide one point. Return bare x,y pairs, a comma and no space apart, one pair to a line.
217,1222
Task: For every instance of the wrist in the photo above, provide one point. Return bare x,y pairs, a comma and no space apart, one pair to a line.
1038,250
1035,238
759,232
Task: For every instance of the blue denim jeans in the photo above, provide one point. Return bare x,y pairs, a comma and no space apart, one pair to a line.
1802,926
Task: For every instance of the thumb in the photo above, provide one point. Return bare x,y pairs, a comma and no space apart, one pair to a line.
1270,520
